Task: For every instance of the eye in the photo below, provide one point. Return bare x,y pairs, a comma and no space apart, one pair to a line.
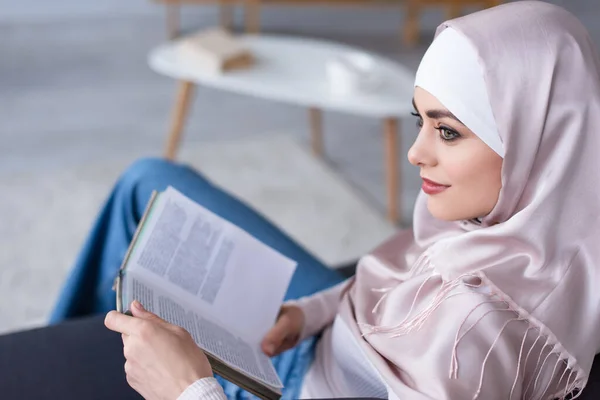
419,119
448,135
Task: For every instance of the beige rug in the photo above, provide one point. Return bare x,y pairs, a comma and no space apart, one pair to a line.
46,215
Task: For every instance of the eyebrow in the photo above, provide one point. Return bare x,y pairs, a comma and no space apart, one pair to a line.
438,114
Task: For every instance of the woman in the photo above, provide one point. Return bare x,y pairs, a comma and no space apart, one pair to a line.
491,294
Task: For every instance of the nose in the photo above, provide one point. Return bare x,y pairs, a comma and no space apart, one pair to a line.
422,152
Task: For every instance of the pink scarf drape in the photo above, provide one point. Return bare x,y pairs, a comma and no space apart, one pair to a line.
508,308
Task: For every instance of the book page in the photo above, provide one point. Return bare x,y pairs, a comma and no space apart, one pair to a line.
208,334
218,269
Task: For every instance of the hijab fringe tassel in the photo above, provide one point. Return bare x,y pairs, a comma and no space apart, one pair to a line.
412,323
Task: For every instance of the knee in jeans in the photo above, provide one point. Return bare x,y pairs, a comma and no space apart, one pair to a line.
159,173
148,167
144,176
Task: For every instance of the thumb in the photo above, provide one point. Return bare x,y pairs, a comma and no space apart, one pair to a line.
139,311
276,336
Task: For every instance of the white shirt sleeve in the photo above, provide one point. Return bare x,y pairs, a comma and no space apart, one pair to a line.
203,389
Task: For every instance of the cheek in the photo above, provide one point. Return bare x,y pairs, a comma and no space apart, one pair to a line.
459,165
474,174
477,180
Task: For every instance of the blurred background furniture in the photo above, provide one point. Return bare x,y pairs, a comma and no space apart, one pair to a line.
294,71
410,26
453,9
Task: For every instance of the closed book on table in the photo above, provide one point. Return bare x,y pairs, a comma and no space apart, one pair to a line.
214,51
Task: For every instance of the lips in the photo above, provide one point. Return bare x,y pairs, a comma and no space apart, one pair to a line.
431,187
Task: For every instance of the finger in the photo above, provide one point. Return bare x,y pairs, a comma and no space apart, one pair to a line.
124,337
139,311
121,323
275,337
288,343
128,367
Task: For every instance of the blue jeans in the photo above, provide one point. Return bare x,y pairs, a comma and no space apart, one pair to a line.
88,289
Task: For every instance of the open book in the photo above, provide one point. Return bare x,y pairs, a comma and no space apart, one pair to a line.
196,270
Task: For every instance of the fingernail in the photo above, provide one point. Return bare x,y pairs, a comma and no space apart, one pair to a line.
270,349
137,305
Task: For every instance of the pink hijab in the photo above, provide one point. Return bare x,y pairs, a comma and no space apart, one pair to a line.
508,308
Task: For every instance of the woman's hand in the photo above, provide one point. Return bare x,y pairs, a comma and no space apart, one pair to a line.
285,333
162,360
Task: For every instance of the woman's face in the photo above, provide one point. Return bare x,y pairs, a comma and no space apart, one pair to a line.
461,174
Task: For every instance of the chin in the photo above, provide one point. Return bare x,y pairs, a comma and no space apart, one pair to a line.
444,210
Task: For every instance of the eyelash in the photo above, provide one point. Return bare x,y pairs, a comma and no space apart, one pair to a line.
444,132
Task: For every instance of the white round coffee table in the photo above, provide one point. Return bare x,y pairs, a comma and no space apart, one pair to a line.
292,70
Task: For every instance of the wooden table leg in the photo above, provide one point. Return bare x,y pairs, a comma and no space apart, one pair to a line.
252,15
392,168
411,28
316,131
173,20
180,112
226,14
